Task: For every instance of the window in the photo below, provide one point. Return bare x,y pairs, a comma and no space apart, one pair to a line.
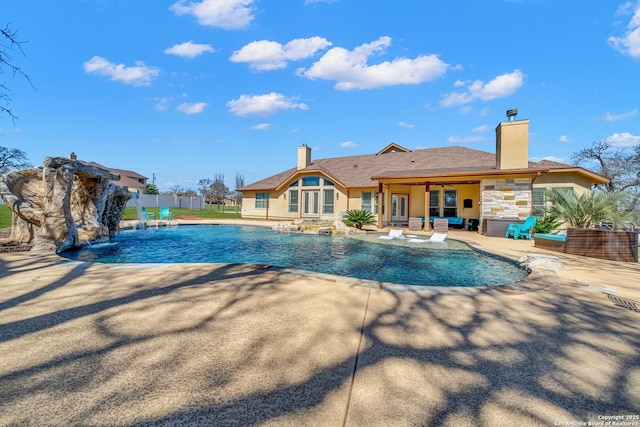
311,181
262,200
539,202
328,183
434,203
450,203
293,201
327,201
293,184
370,201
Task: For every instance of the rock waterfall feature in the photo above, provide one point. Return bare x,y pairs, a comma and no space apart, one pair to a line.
63,204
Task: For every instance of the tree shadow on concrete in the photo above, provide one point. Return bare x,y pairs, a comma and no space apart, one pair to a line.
228,346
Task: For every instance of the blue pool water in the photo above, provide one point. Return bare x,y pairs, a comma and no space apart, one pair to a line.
427,264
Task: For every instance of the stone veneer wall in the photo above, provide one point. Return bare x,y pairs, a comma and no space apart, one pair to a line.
505,198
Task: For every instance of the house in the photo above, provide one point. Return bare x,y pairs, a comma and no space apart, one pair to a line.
467,186
132,180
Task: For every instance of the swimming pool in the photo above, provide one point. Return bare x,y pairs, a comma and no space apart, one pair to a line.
444,264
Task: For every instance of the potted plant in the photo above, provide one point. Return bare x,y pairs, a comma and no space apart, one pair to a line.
584,216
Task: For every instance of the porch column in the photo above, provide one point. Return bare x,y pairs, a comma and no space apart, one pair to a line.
426,206
379,205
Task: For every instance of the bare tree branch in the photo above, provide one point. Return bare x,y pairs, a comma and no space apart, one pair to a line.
9,43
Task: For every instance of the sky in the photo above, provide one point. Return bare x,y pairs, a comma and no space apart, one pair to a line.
184,90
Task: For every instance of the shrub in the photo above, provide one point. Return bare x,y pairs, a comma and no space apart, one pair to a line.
359,218
547,224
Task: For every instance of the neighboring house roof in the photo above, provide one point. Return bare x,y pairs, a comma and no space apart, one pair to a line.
129,178
364,170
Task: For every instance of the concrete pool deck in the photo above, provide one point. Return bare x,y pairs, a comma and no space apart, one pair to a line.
198,344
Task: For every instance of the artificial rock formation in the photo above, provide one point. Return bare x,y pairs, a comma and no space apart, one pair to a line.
63,204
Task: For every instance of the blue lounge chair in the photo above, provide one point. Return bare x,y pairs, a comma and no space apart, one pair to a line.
164,213
147,215
521,230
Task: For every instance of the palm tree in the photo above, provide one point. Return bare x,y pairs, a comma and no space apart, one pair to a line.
587,210
359,218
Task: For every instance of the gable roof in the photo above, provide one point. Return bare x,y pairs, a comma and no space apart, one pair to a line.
392,148
365,170
129,178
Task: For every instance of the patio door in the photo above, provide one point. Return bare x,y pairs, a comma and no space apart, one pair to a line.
310,202
399,203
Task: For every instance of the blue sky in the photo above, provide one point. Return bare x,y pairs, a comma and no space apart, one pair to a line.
189,89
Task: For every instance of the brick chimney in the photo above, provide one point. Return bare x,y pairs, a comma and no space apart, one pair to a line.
304,156
512,143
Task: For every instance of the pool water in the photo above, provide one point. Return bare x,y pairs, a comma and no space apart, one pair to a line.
364,256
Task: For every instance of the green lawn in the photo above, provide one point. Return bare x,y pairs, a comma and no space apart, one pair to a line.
5,217
215,213
130,213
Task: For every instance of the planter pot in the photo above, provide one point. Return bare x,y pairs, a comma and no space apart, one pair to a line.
604,244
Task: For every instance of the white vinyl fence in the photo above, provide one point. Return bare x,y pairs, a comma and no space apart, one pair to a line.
157,201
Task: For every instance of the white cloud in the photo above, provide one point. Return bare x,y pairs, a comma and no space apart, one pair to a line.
610,117
482,128
564,138
162,104
406,125
262,126
623,140
551,158
227,14
189,49
502,86
629,42
348,144
457,139
263,105
138,75
350,70
192,108
264,55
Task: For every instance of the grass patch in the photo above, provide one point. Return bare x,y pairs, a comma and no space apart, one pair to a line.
131,213
228,213
5,217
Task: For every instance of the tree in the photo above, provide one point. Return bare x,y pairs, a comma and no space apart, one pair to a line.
8,43
621,166
204,186
176,190
218,190
236,194
151,189
12,159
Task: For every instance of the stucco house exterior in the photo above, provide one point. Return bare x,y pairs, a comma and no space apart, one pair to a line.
465,185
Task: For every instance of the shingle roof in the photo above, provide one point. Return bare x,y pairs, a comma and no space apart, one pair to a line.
357,171
127,177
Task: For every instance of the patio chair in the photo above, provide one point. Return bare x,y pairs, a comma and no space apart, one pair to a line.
521,230
393,234
441,225
165,213
147,215
435,237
